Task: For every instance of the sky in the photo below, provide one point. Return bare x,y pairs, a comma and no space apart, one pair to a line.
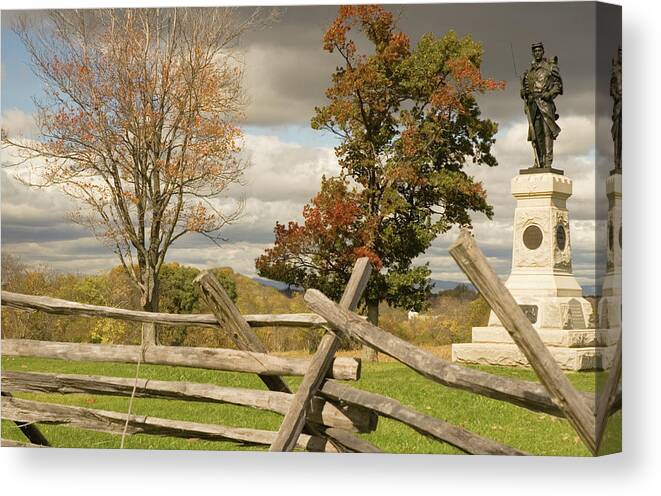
286,75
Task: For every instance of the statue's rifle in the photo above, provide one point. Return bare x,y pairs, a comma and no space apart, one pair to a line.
526,108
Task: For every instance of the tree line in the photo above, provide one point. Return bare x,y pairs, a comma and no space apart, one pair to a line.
451,315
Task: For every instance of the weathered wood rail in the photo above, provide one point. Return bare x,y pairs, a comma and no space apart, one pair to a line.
578,412
323,414
429,426
322,362
554,395
344,368
113,422
325,422
56,306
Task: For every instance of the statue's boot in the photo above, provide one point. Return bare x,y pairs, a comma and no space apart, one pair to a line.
548,155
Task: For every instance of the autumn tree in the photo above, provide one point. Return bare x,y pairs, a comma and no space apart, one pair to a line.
138,125
409,124
334,224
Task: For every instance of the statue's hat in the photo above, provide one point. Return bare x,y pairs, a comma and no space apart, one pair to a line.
539,44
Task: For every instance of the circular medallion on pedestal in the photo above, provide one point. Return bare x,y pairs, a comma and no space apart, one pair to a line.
532,237
561,237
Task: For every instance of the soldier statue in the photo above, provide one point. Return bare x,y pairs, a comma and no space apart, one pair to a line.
616,93
540,84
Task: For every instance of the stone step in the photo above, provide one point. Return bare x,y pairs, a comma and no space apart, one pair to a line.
563,338
574,359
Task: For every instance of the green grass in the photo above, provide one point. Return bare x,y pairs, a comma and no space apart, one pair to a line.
535,433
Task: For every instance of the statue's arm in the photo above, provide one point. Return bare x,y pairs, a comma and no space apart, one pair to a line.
556,82
524,86
616,88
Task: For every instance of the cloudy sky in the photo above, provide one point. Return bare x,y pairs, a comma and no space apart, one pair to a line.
286,75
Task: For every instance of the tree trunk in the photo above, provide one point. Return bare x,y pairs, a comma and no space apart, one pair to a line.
150,303
148,334
369,353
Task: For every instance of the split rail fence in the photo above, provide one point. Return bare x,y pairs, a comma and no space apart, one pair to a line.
323,414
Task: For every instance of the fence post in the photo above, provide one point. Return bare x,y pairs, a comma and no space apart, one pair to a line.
472,261
148,334
245,338
30,431
292,425
607,396
229,317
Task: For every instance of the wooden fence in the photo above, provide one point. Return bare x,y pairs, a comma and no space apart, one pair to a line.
323,414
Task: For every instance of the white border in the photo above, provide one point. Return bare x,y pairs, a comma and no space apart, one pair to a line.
115,472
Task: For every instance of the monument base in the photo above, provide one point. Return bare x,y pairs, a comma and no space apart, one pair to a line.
543,284
508,354
562,338
573,349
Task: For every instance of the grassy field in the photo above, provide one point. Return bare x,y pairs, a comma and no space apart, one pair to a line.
535,433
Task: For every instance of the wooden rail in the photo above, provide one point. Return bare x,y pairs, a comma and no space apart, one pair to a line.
429,426
527,394
322,361
231,320
321,412
344,368
611,394
30,431
578,412
106,421
228,314
70,308
10,443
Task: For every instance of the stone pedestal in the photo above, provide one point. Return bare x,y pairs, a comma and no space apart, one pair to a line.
610,304
543,283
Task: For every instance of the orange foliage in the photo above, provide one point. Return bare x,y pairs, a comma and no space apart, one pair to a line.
139,123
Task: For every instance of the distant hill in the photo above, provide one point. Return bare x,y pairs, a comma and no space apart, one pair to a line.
280,286
440,285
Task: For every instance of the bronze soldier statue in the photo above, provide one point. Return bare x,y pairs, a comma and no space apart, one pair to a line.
540,84
616,93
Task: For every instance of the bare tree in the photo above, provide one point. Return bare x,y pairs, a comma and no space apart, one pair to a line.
138,124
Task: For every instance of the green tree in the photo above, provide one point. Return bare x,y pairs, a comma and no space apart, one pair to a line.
178,293
408,123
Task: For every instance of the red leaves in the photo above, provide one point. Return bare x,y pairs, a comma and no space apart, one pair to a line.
377,24
332,209
364,251
463,79
336,232
468,77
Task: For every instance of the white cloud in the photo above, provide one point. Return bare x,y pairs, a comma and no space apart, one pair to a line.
282,177
284,171
240,256
15,122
